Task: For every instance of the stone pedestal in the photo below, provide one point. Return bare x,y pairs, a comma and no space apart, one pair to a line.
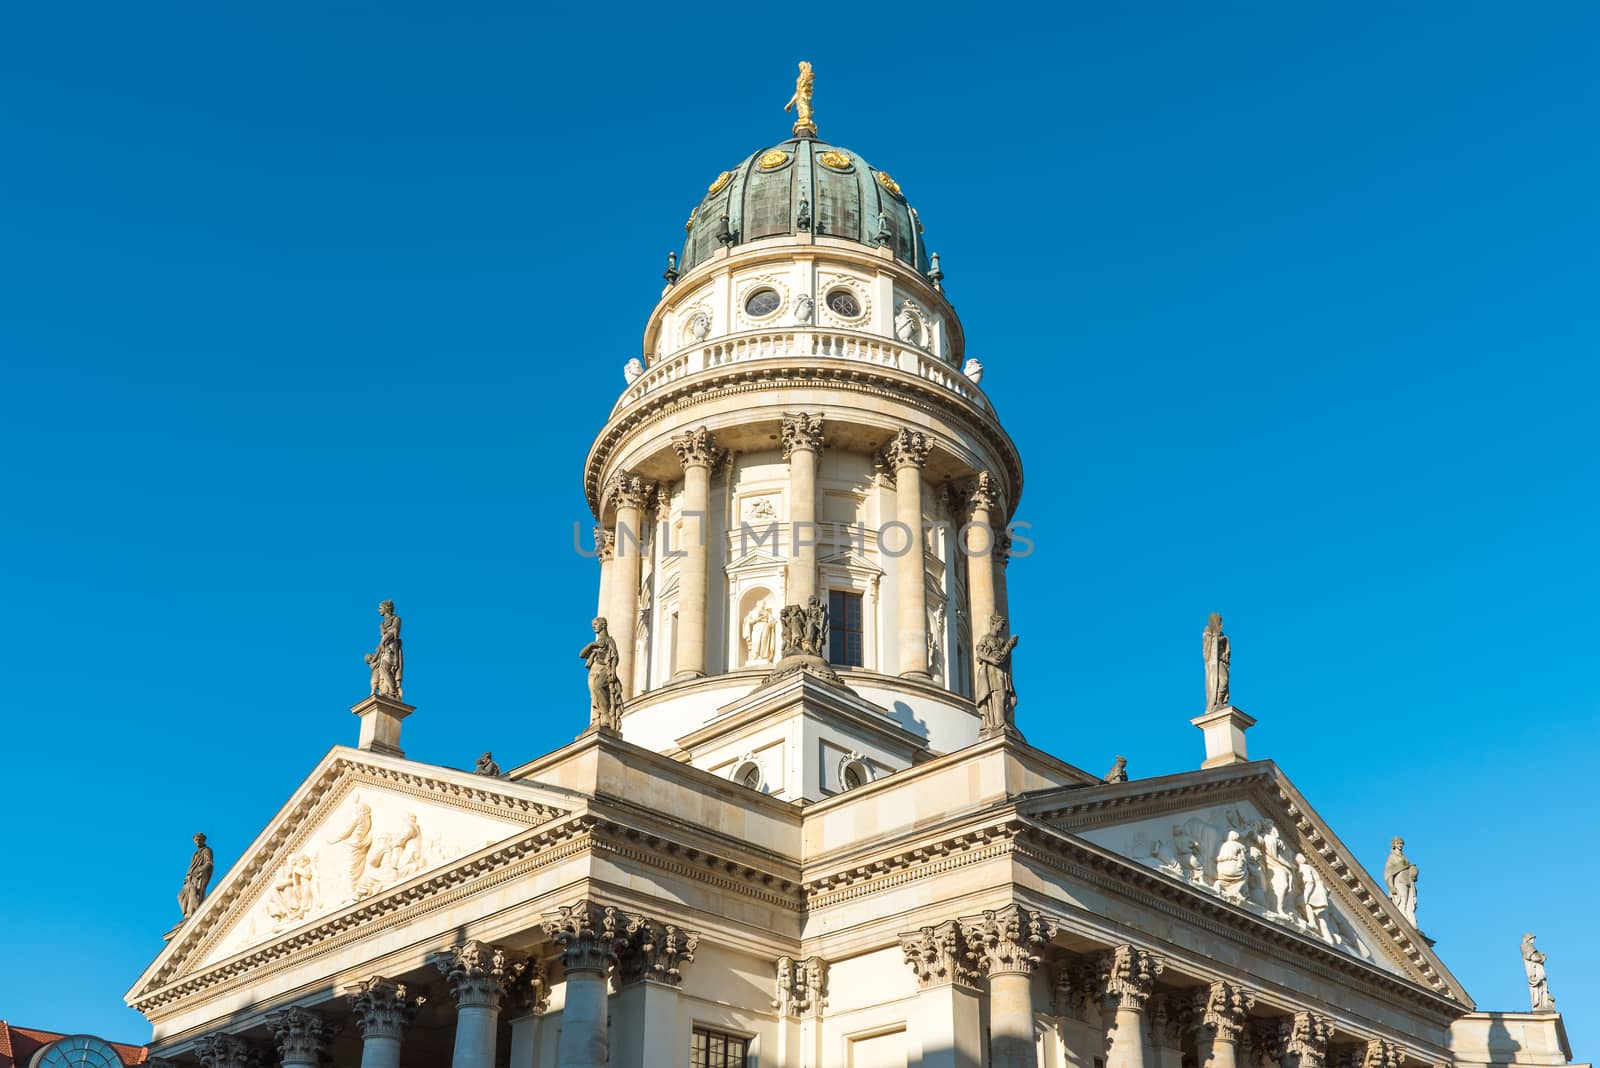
1224,732
380,724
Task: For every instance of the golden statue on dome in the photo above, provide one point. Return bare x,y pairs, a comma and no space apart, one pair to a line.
800,103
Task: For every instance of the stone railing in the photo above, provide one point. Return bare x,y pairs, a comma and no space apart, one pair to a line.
801,344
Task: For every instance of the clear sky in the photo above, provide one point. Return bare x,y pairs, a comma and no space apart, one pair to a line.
1290,309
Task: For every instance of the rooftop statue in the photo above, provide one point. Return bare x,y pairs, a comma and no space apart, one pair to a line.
1119,770
1538,984
388,662
605,688
197,878
1214,644
800,103
487,766
996,693
1400,875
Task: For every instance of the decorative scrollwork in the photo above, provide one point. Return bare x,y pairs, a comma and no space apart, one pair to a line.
722,179
837,160
889,183
771,161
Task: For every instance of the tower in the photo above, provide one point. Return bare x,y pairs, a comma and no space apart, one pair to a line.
802,428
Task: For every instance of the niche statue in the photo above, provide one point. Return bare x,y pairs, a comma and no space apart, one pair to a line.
605,688
996,693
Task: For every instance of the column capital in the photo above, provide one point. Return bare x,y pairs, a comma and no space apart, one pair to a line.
908,448
228,1051
1221,1010
1381,1054
1300,1041
939,956
531,992
802,987
984,492
302,1036
655,952
591,936
697,448
630,491
1012,939
479,974
1128,976
801,430
384,1008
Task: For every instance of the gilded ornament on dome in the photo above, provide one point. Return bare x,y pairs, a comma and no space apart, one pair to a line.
888,183
722,179
690,223
837,160
772,160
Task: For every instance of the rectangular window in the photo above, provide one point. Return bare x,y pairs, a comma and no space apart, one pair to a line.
714,1049
845,632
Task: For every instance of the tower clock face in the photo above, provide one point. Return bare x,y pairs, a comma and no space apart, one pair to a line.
843,302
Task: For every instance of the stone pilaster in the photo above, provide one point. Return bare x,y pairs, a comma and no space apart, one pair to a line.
1300,1041
592,938
1007,945
632,495
228,1051
946,1014
802,445
906,453
1165,1015
657,952
1073,992
383,1009
478,975
301,1035
801,987
1218,1016
1127,977
698,453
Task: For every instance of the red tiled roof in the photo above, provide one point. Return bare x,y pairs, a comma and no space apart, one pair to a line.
19,1044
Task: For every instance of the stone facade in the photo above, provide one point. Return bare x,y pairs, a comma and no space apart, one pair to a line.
813,868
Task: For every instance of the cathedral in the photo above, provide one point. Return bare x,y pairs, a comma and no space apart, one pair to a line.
803,827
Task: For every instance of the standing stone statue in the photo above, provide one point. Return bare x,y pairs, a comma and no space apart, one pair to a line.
388,662
996,694
1119,770
487,766
605,688
197,879
760,632
1214,644
1538,984
816,626
1401,877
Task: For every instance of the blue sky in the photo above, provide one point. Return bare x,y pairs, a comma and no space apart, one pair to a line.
1290,310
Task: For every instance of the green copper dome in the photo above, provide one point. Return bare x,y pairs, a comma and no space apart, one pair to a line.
805,185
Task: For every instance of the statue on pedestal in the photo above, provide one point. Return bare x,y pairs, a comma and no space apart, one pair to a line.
1214,644
800,103
995,693
197,878
387,664
487,766
605,688
1538,983
1400,875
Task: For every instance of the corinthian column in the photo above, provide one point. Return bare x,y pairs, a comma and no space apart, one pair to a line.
227,1051
631,494
1218,1015
301,1035
478,975
802,444
591,938
649,972
906,452
1297,1042
1008,945
605,548
698,453
946,1013
383,1010
980,550
1127,979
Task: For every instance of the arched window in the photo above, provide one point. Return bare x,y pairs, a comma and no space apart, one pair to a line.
76,1051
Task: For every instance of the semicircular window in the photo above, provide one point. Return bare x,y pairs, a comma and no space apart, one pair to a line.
78,1051
762,303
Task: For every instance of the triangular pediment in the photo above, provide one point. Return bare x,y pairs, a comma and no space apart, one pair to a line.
1285,866
756,560
361,829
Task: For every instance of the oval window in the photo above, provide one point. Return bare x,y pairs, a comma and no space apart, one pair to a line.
762,303
844,303
853,775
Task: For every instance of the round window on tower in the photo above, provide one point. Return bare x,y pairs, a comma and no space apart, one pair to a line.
854,773
748,774
762,303
844,304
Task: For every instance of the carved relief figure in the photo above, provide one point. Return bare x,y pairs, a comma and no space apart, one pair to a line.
761,508
197,879
1278,871
1401,877
996,694
1218,653
908,325
633,370
760,632
294,892
816,626
1188,851
605,688
1232,869
1538,984
792,617
700,325
804,305
1313,897
356,840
